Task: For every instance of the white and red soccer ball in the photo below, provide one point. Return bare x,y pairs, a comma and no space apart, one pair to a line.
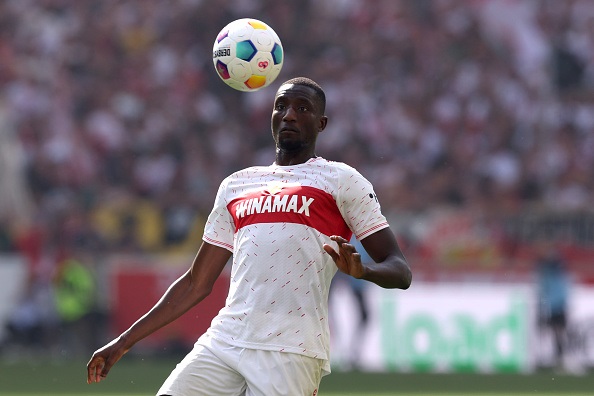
247,54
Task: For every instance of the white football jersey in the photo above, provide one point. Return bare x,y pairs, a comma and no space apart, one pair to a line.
275,220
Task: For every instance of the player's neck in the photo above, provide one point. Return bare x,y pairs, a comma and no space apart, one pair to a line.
284,158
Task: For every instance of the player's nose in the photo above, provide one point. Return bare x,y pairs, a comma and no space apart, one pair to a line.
290,114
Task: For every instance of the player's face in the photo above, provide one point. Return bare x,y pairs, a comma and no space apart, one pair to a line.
296,118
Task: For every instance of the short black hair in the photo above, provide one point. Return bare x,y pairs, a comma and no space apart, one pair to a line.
308,82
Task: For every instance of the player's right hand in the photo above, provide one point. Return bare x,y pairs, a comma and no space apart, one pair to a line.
347,259
103,359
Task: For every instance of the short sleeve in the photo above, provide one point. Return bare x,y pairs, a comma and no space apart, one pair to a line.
220,229
359,204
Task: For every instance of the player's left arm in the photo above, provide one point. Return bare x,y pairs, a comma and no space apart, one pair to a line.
390,270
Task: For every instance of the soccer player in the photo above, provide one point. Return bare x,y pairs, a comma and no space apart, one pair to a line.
287,227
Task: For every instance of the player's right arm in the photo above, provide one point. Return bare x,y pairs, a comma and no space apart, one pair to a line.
187,291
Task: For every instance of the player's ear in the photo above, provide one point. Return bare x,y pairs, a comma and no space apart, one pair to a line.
323,123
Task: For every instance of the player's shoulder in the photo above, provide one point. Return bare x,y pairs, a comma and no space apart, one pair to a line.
341,169
246,176
248,172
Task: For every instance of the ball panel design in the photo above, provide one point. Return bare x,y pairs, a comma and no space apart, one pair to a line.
224,33
245,50
240,32
257,24
239,70
263,40
255,82
222,70
277,54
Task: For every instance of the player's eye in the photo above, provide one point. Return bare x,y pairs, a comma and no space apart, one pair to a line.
303,108
279,106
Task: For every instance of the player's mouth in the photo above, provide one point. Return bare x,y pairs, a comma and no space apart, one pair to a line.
288,130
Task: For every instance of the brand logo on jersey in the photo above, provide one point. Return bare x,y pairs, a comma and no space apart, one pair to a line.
281,202
274,203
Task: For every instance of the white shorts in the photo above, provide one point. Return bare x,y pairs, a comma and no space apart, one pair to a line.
215,368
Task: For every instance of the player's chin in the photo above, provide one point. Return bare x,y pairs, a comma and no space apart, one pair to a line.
289,143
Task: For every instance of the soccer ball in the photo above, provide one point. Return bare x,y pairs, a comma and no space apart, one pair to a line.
247,55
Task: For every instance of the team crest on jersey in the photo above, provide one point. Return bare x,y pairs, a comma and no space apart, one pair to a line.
276,187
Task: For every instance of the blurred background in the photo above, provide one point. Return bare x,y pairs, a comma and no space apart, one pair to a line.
473,119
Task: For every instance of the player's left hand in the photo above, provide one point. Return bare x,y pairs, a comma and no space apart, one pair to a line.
347,259
103,359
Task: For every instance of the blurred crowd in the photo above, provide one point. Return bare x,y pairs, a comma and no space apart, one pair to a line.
115,131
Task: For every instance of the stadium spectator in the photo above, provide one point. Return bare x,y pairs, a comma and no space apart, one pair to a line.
553,287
